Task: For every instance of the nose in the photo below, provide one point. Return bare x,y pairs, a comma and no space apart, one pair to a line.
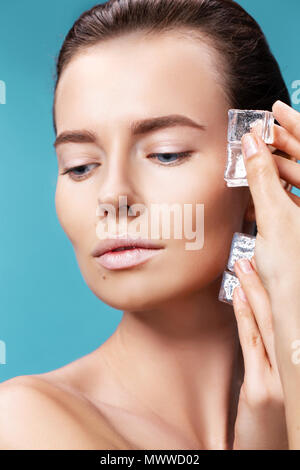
117,191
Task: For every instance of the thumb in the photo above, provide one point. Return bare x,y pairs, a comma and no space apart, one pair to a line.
263,179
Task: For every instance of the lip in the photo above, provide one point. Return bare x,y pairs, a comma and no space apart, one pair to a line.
145,249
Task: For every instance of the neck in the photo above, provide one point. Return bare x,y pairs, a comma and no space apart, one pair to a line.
180,361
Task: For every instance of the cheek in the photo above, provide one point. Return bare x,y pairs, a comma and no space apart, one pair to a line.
223,210
75,213
223,207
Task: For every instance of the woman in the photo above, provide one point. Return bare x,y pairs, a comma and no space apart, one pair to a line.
170,375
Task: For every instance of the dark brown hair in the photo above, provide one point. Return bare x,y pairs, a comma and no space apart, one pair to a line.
251,75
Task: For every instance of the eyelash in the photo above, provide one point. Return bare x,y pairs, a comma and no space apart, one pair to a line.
70,170
182,156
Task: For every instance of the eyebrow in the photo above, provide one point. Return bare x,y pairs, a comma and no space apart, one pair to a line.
140,127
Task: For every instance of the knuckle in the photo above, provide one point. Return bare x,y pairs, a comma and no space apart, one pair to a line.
261,170
258,397
243,315
253,339
263,395
242,311
254,395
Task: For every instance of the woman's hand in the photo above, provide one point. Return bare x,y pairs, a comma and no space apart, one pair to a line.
269,321
260,421
277,211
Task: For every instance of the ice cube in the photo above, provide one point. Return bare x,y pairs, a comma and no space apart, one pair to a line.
240,122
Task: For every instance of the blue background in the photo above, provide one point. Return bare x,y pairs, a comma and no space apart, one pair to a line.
48,315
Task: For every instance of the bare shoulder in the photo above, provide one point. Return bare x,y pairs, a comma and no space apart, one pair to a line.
17,392
36,414
29,414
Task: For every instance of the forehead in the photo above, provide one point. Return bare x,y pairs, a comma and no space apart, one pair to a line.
136,76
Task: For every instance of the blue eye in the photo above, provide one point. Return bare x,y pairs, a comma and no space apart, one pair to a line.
169,156
80,169
79,173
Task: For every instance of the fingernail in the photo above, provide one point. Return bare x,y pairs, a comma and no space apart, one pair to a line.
241,294
282,103
256,128
249,145
245,265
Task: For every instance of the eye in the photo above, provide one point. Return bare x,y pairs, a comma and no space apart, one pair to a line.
81,171
169,156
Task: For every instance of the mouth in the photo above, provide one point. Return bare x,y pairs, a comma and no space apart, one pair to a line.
126,257
123,248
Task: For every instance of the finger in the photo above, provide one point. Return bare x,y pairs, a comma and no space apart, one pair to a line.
260,304
287,117
285,141
253,349
285,183
288,187
288,170
264,182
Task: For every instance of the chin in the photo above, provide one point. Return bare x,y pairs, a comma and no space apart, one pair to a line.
136,302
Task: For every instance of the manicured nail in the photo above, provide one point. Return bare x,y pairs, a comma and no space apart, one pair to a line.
282,103
241,294
245,265
249,145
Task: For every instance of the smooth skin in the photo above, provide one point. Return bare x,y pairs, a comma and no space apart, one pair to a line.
268,315
169,376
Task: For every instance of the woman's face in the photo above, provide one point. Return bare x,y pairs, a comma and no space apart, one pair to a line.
103,91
